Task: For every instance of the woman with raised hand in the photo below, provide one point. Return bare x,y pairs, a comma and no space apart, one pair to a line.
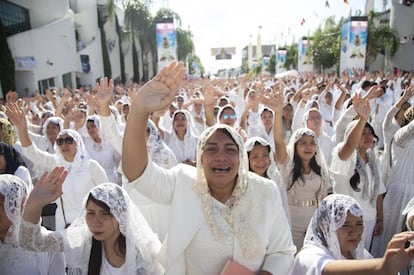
219,211
84,173
355,169
109,237
303,168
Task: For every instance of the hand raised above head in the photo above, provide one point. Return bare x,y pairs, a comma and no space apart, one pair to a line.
49,187
159,92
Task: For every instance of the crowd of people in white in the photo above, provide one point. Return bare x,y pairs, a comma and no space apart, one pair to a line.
299,175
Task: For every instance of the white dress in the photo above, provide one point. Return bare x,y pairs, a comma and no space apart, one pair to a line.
341,172
400,188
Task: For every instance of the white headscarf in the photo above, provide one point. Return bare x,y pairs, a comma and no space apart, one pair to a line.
142,244
81,159
190,139
272,172
53,119
327,219
236,219
320,160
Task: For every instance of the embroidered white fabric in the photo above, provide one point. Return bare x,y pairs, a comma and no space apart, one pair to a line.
158,150
14,259
238,222
327,219
142,244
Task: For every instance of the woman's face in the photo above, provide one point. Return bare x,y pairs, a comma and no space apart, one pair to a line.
67,147
101,223
349,235
228,117
5,223
180,122
367,139
306,148
52,131
79,118
267,119
220,161
92,129
314,121
259,159
288,112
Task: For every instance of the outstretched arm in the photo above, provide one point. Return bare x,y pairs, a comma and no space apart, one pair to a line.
362,108
46,190
396,258
156,95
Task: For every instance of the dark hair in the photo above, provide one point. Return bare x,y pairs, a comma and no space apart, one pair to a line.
95,258
355,180
12,157
297,171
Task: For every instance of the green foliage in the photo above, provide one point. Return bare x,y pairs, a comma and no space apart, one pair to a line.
381,39
325,48
271,66
292,57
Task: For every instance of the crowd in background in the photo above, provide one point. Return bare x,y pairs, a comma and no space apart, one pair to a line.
259,169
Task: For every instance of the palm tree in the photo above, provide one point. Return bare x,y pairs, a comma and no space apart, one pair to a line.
140,24
381,39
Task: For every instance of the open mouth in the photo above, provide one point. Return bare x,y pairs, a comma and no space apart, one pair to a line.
221,170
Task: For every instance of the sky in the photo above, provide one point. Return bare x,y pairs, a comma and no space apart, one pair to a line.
235,23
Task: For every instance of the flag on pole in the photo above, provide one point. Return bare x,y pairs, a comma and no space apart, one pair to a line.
302,22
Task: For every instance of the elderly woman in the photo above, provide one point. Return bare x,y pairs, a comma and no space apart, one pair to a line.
219,211
334,243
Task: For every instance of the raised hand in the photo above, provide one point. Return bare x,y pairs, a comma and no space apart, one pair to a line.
104,90
397,256
48,188
361,106
274,101
16,115
159,92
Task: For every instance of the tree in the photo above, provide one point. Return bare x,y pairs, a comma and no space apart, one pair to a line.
140,24
381,39
325,48
291,57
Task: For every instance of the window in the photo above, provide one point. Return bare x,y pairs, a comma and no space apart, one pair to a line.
14,18
67,80
45,84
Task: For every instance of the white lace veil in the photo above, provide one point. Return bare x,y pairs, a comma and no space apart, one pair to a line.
158,150
14,191
236,220
327,219
142,244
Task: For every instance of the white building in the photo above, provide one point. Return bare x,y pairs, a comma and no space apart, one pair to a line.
57,43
